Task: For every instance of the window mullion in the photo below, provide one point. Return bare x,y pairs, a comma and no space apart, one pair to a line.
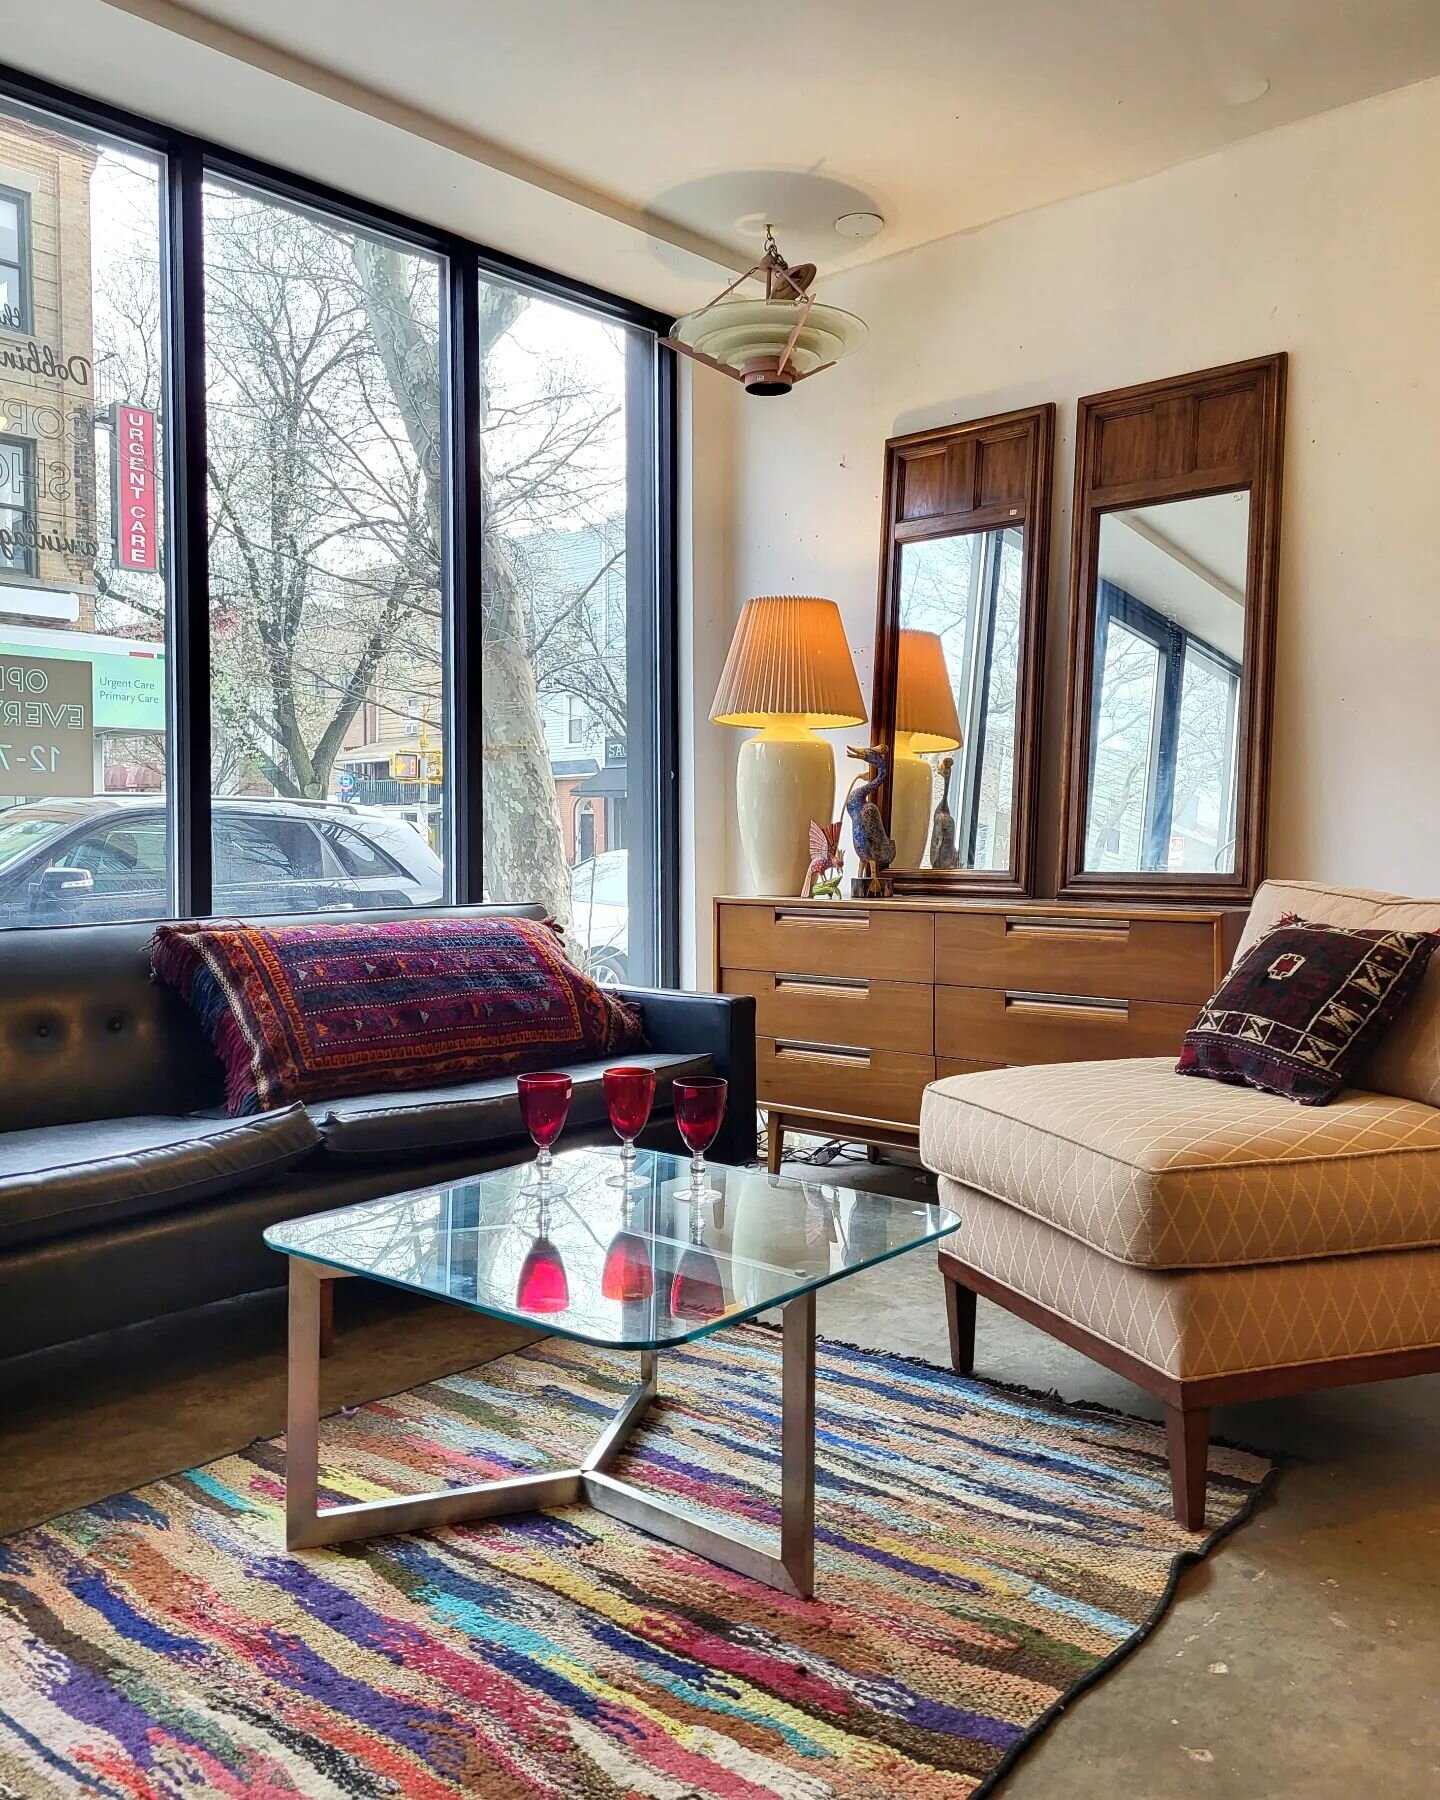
464,730
189,685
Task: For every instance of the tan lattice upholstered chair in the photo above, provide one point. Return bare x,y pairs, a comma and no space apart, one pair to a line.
1209,1242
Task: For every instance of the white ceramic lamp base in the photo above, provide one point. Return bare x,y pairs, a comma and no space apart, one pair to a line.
786,778
911,791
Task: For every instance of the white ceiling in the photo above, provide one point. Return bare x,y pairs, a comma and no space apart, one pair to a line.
939,114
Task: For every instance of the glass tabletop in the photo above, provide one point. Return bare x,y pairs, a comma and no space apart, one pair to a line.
636,1269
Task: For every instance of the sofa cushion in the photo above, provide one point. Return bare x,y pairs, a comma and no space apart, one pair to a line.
60,1179
1165,1173
472,1112
1406,1061
310,1012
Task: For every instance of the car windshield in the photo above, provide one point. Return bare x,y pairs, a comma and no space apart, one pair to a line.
22,827
602,881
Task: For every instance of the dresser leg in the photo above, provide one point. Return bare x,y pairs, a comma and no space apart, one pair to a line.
775,1134
960,1311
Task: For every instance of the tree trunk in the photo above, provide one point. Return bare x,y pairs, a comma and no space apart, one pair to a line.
524,841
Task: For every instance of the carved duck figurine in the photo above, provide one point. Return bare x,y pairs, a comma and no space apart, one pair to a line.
874,846
943,854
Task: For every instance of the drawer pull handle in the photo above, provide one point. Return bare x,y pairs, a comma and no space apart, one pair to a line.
1068,1003
1099,930
834,921
799,1051
824,984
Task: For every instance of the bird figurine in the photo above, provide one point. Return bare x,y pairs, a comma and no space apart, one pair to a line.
874,846
827,859
943,854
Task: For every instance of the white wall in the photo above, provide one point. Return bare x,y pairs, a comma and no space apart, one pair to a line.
1322,239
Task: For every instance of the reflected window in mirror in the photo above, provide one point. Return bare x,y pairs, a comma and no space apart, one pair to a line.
957,688
1169,651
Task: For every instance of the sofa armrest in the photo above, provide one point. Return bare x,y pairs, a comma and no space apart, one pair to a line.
722,1027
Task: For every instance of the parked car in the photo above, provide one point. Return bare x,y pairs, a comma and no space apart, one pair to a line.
83,861
600,916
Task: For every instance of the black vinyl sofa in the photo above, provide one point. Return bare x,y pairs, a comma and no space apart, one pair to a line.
125,1191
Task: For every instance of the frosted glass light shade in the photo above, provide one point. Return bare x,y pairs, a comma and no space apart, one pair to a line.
789,659
924,699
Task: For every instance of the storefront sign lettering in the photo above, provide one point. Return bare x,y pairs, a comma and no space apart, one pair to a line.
135,506
47,739
32,358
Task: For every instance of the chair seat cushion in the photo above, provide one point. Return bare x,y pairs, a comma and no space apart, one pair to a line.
66,1178
472,1112
1165,1173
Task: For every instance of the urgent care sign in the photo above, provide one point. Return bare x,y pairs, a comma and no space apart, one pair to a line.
137,511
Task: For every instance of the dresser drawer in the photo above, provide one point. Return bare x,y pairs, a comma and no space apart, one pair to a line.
839,1009
1114,958
990,1025
951,1065
828,938
800,1076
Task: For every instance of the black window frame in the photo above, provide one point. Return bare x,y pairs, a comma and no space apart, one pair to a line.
25,267
651,544
26,512
1172,643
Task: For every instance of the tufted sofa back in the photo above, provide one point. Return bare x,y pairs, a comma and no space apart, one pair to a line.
86,1034
1407,1060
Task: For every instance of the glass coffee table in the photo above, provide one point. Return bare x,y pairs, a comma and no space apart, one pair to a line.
643,1269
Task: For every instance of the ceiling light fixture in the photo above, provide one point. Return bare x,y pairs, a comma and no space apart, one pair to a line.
770,344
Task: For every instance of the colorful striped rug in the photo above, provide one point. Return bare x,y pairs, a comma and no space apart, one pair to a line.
981,1554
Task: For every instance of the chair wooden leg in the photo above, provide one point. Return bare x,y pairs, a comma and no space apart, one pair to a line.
327,1317
775,1137
960,1311
1188,1433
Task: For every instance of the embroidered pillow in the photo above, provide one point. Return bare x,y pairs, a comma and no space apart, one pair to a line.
312,1012
1304,1005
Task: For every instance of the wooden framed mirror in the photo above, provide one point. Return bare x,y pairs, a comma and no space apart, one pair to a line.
958,639
1174,553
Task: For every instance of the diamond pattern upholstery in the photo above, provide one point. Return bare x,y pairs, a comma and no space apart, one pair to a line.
1168,1173
1203,1322
1407,1059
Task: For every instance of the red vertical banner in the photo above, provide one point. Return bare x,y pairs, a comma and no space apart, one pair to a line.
136,509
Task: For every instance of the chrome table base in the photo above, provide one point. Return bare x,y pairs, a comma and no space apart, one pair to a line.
793,1570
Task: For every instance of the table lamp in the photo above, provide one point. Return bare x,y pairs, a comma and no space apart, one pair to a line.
925,722
789,670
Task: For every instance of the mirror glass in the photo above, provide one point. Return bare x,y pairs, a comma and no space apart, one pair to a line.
957,684
1169,651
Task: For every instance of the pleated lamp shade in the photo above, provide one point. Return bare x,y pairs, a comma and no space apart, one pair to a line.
924,699
789,659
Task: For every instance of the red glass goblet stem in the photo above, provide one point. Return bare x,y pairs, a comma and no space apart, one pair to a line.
699,1110
544,1104
629,1095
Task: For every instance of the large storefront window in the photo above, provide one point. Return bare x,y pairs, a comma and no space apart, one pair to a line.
83,544
568,671
326,474
332,572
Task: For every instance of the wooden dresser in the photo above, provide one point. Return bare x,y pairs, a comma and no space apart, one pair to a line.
860,1004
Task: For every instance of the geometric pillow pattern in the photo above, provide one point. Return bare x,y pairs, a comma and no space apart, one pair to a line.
1406,1061
1298,1012
1166,1174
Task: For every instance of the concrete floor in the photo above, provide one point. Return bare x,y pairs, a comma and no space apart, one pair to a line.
1302,1660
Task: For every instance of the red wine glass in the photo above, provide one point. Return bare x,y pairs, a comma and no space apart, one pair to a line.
629,1095
629,1273
699,1109
544,1104
543,1286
